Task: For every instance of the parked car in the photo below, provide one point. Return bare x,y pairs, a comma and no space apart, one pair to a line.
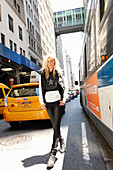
71,94
77,91
3,92
68,98
75,94
22,104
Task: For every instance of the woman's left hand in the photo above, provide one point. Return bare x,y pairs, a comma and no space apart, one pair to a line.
61,103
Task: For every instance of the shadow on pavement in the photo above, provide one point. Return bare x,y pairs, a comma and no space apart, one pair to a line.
35,160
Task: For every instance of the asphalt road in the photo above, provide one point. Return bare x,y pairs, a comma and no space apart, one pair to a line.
29,147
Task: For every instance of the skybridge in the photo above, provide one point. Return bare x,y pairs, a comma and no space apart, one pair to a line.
69,21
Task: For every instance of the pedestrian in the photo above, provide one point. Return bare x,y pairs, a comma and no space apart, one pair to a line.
52,96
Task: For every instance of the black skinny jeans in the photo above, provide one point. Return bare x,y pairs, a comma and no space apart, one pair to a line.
55,114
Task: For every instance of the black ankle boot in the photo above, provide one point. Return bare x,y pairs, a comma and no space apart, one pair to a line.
62,145
52,158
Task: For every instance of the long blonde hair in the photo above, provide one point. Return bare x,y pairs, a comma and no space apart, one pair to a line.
45,67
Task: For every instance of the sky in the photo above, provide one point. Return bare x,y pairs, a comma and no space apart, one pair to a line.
72,42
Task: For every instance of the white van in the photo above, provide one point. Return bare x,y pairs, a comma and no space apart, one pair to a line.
34,77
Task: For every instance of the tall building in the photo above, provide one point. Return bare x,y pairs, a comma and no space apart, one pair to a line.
59,52
69,72
33,31
12,26
46,27
15,64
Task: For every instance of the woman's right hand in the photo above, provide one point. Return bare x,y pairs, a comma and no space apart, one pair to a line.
44,106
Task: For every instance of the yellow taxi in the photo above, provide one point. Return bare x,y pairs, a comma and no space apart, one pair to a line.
22,104
3,92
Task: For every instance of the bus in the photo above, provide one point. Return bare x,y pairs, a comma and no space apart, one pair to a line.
96,66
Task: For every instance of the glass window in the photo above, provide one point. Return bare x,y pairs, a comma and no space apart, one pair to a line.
20,33
27,23
77,10
1,93
30,27
3,39
18,8
69,18
59,13
23,52
78,16
15,3
10,23
60,19
33,29
6,91
0,12
32,43
11,44
103,7
24,91
31,14
20,51
15,47
29,40
33,60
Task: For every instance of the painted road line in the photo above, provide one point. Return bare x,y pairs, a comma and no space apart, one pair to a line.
85,148
59,163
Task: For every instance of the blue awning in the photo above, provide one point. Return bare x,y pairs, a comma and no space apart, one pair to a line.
19,59
9,54
28,63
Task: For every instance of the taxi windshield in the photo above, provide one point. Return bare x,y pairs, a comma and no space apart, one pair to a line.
24,91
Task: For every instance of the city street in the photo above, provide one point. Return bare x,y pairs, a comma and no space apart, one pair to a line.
29,147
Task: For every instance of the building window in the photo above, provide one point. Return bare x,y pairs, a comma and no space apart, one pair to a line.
15,47
0,12
78,16
102,8
26,6
60,19
29,40
33,29
27,23
69,18
23,52
20,51
31,14
20,32
18,8
33,60
10,19
30,27
32,43
3,39
15,3
11,44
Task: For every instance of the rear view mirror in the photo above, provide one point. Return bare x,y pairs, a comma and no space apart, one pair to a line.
76,82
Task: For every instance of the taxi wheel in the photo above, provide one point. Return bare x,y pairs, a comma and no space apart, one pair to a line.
15,125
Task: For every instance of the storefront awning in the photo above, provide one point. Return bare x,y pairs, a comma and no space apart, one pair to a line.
18,59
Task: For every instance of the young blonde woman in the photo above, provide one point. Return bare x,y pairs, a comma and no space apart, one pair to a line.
52,95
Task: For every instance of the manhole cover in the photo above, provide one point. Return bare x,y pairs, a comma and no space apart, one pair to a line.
15,140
